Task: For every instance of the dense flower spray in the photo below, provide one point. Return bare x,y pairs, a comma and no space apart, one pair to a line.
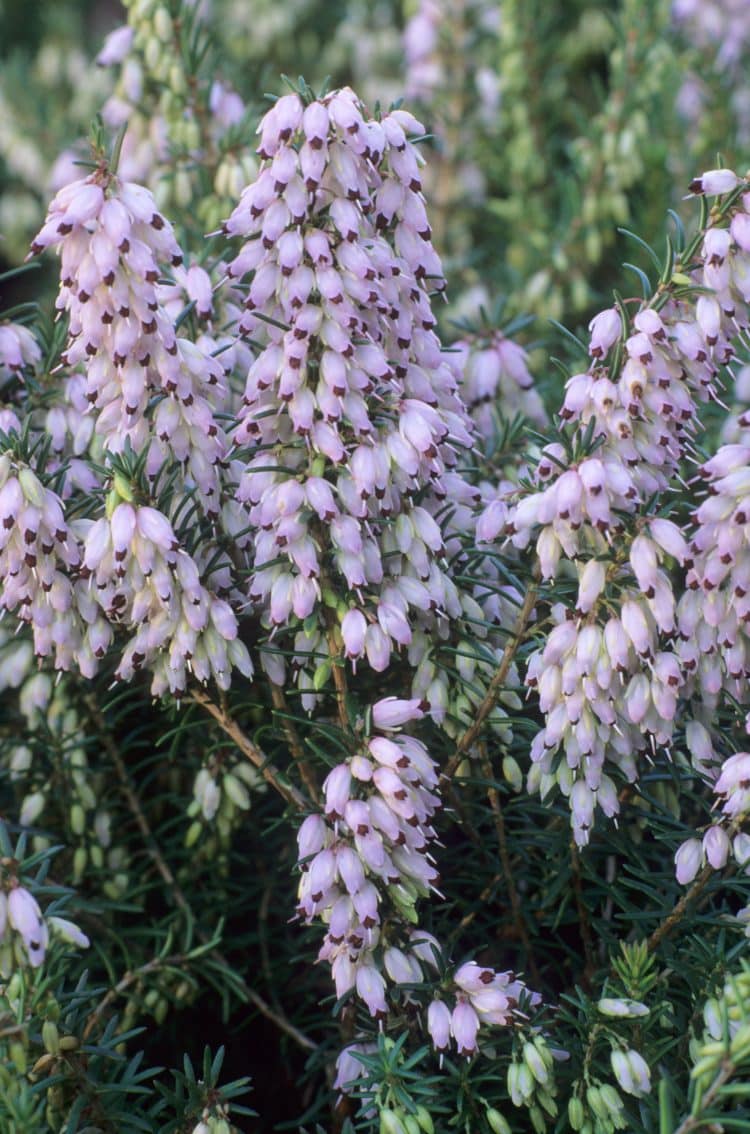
616,664
153,392
348,441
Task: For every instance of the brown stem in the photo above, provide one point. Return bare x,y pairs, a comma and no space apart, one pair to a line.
519,922
495,687
338,672
131,977
675,916
294,741
271,774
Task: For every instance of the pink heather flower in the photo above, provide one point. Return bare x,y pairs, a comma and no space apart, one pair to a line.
19,350
669,537
439,1024
735,773
698,740
116,46
26,918
472,977
322,874
348,1067
311,836
337,788
636,627
392,712
464,1027
714,182
591,584
371,988
605,329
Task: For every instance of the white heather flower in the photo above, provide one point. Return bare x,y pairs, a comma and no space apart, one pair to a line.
716,846
632,1072
69,931
688,860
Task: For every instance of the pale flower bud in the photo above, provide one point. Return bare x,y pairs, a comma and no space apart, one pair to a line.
621,1008
591,584
716,846
688,859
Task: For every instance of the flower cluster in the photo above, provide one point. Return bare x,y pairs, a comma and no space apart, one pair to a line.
712,613
351,418
481,997
374,840
721,839
38,554
113,241
148,390
435,26
141,577
496,379
611,673
19,351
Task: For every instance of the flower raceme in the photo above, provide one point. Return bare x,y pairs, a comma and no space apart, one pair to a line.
352,422
148,390
618,663
342,456
371,844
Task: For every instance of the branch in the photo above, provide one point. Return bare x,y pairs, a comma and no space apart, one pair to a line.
130,977
675,916
269,771
495,687
695,1121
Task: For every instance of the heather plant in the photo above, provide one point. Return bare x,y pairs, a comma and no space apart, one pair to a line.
373,744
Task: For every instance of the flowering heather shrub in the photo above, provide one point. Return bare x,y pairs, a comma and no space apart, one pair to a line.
374,704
